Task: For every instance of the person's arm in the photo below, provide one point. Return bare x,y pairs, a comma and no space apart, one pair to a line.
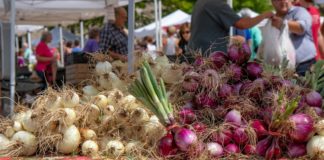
246,22
44,59
118,56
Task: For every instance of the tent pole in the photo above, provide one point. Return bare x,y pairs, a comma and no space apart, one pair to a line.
16,42
160,22
230,3
82,33
12,57
131,20
61,45
29,40
157,39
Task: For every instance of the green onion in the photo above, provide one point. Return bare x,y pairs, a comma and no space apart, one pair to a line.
152,95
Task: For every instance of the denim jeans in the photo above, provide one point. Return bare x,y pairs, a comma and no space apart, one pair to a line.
41,75
305,66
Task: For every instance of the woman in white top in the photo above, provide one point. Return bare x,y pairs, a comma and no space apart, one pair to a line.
170,44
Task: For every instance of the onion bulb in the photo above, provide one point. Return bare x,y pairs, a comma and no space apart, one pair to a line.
88,134
131,147
320,127
114,148
90,148
315,147
215,149
19,117
105,82
9,132
70,99
28,142
29,123
184,138
103,68
100,100
17,126
71,140
108,110
70,117
90,90
4,141
139,115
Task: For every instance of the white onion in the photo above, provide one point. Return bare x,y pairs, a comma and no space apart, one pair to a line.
131,147
88,134
105,82
70,99
100,100
28,123
17,126
139,115
90,148
54,105
315,147
28,141
108,110
154,119
9,132
94,112
4,141
19,117
215,149
70,117
127,101
114,148
71,140
320,127
90,90
103,68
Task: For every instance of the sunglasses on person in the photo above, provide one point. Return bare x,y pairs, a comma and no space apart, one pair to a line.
186,32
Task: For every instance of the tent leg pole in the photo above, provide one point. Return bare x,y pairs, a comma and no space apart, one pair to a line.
131,20
12,58
61,46
29,40
82,33
157,39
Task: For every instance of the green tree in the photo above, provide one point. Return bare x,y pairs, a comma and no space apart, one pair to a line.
258,6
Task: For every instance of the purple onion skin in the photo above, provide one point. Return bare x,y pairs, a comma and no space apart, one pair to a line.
263,145
240,137
259,128
239,55
205,101
184,138
166,146
219,152
190,85
199,61
314,99
187,116
234,117
236,88
219,59
254,70
303,127
274,151
319,111
225,90
296,150
236,71
249,149
232,148
224,137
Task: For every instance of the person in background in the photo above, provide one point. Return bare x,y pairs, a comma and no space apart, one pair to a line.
46,60
184,34
76,48
300,26
68,48
27,52
171,48
92,45
113,38
20,58
150,46
316,23
32,59
210,25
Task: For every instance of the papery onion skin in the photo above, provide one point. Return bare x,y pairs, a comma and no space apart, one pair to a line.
187,116
232,148
225,91
303,127
249,149
240,137
184,138
259,128
215,149
263,145
236,72
167,146
219,59
254,70
199,127
314,99
315,147
223,137
233,117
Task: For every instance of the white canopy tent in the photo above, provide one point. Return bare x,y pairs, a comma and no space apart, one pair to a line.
176,18
53,12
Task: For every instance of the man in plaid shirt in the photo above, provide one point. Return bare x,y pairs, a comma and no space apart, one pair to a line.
113,39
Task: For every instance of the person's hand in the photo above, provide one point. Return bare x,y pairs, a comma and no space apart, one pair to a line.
268,14
277,22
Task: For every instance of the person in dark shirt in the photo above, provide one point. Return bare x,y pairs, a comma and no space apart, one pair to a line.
210,25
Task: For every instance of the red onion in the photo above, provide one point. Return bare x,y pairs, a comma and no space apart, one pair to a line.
240,137
184,138
249,149
239,55
210,79
259,128
236,88
303,127
187,116
274,151
318,110
263,145
188,105
166,146
190,85
296,150
199,61
196,150
236,72
219,59
254,70
223,137
232,148
199,127
224,91
314,99
193,75
204,100
215,149
234,117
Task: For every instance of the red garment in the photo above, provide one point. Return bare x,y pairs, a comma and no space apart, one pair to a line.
316,24
43,50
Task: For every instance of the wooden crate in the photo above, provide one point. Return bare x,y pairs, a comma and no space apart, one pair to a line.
78,72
